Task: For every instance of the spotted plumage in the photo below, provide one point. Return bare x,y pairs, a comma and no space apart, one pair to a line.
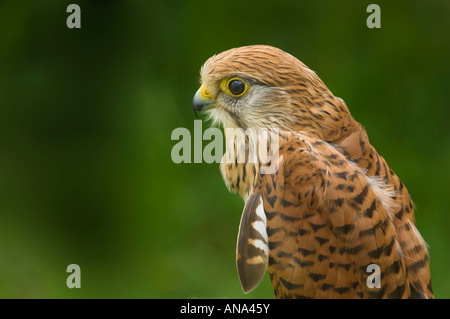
333,207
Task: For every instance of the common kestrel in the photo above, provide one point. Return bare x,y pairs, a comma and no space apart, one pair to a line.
333,207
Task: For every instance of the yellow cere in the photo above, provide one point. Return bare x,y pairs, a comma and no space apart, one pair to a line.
205,92
224,86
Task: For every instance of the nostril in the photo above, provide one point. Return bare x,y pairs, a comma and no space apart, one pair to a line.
205,92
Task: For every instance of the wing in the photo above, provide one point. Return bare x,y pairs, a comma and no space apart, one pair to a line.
252,245
326,223
357,147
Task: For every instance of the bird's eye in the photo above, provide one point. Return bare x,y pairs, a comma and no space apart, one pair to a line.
235,87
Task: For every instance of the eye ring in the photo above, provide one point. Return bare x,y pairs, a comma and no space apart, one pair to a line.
235,87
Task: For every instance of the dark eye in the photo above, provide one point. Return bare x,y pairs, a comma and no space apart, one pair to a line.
236,87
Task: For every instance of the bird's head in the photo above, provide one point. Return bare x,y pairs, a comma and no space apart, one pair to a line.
260,86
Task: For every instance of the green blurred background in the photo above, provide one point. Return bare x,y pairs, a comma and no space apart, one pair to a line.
86,117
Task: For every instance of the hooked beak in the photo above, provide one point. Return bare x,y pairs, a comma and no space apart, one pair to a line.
202,100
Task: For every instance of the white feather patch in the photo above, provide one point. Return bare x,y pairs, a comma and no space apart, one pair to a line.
260,211
260,245
260,227
384,192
